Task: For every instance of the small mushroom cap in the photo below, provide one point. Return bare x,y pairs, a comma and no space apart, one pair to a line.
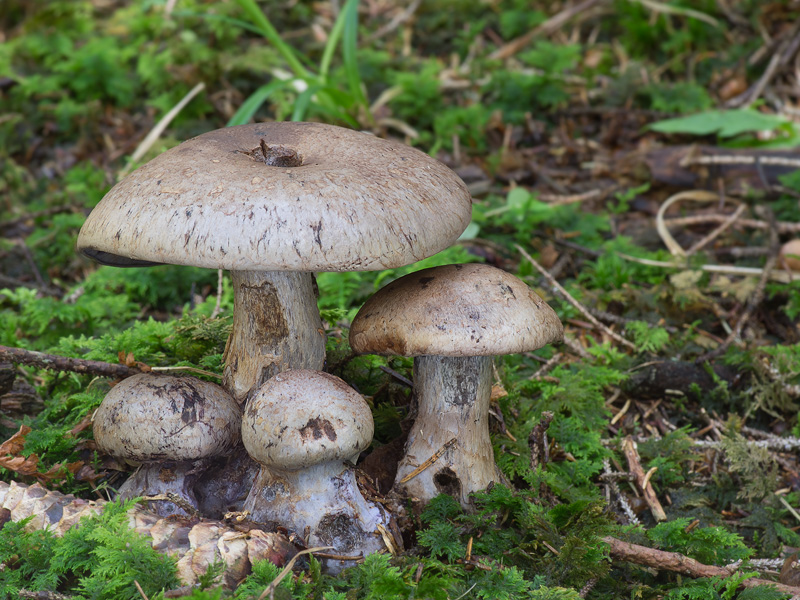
280,197
790,252
455,310
300,418
160,417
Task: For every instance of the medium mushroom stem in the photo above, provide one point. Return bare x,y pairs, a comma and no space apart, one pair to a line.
276,326
453,395
322,501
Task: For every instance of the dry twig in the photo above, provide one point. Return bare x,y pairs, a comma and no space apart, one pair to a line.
643,481
568,297
672,561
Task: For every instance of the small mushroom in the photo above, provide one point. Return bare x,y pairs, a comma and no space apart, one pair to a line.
171,425
790,255
452,319
306,429
273,203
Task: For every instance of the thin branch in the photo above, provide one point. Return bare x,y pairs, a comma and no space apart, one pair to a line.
551,25
568,297
672,561
63,363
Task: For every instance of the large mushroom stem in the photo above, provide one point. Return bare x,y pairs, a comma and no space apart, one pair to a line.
453,396
276,326
322,501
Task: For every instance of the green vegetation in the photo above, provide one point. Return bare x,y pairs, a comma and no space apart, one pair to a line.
559,142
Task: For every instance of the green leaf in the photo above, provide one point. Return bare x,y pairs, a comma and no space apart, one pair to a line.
725,123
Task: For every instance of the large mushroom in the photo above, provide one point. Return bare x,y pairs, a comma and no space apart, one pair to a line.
306,429
452,319
274,202
173,426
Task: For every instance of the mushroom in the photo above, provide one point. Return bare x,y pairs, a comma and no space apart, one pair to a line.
790,255
306,429
171,425
274,202
452,319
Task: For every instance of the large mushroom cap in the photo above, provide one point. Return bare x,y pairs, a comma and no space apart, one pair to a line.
161,417
455,310
302,417
282,197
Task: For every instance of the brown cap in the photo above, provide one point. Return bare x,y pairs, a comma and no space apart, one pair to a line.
161,417
281,197
455,310
302,417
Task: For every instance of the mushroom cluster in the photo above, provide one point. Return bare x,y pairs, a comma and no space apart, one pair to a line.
274,203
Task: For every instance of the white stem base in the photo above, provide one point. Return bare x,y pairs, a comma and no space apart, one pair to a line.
323,505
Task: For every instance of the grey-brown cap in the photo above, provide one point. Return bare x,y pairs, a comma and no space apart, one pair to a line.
301,417
455,310
280,197
150,417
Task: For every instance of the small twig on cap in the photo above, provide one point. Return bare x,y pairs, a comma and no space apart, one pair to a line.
568,297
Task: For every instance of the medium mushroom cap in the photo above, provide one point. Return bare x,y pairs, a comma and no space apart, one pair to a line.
160,417
281,197
302,417
455,310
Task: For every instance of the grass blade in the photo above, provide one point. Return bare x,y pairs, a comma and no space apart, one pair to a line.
255,14
256,99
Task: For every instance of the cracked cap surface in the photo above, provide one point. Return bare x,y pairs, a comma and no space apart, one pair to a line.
280,196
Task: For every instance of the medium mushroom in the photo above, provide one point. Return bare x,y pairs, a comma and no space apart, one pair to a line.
452,319
306,429
274,202
171,425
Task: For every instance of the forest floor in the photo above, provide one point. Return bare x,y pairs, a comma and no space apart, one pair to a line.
633,161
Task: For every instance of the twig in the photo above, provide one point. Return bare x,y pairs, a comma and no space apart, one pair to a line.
404,380
54,362
781,276
755,298
270,589
140,590
672,561
568,297
635,467
436,456
549,26
678,10
156,132
63,363
699,245
398,20
215,312
10,282
782,226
